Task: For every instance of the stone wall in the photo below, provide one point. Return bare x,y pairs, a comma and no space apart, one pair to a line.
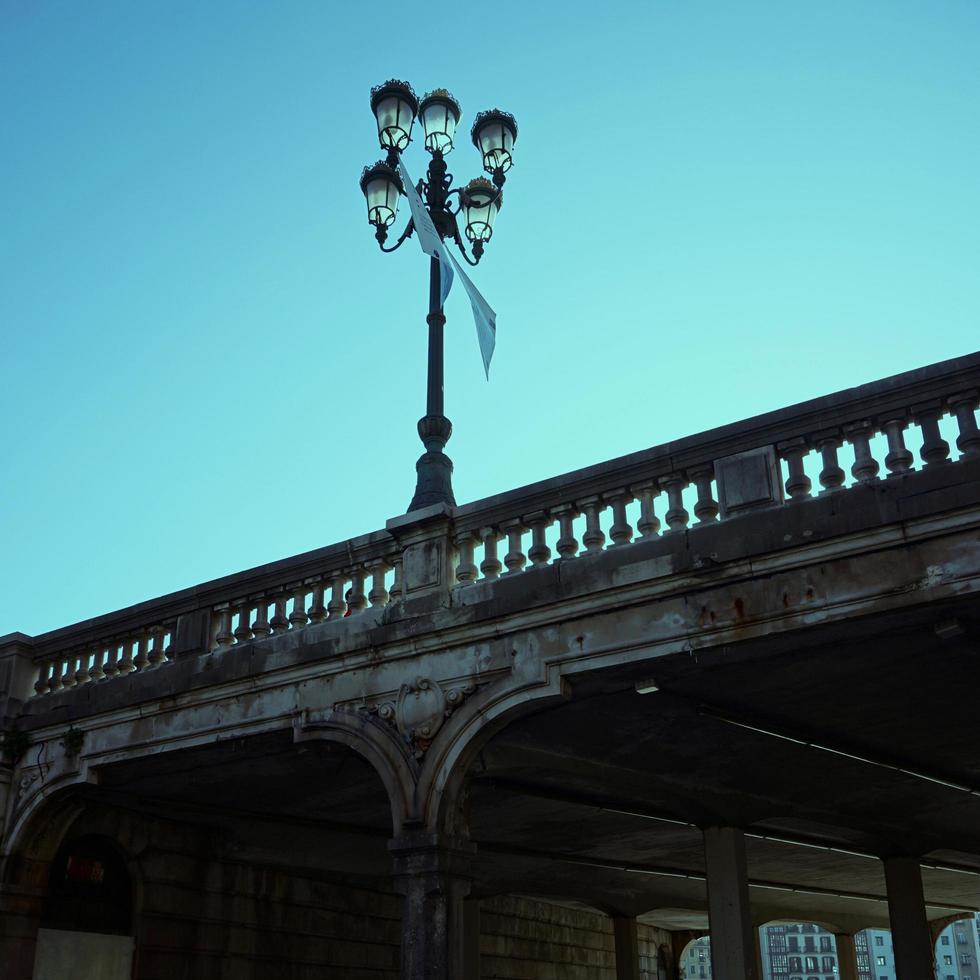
228,921
523,939
201,916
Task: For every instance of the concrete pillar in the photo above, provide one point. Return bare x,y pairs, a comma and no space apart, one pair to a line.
732,948
627,948
907,914
847,965
432,874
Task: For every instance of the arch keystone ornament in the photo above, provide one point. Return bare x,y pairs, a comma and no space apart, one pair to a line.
421,709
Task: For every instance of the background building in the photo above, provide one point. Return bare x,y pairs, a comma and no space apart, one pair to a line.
804,951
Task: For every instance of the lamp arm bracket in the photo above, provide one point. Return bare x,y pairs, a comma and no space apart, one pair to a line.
407,233
462,248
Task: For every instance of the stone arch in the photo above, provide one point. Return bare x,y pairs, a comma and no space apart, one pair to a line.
373,741
29,848
442,777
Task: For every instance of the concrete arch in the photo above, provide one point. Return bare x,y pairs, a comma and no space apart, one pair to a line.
443,774
34,838
39,786
374,742
826,925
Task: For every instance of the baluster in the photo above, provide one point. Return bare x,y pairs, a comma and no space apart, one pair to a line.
317,610
261,626
54,681
168,639
142,644
620,530
157,654
357,600
298,617
82,673
395,593
337,606
95,672
794,451
831,475
963,406
899,459
466,570
865,468
593,539
111,667
935,449
224,637
491,565
43,675
705,507
125,664
539,552
649,524
567,543
677,515
279,621
68,673
514,559
243,631
378,596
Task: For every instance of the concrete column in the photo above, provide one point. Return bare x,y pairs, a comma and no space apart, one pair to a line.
432,874
627,948
732,948
847,965
907,915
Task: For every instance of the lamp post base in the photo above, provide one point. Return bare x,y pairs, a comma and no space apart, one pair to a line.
434,469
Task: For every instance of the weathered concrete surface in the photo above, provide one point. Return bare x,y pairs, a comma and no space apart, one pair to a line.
793,657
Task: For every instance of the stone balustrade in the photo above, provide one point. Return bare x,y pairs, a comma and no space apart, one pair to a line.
886,430
337,582
829,445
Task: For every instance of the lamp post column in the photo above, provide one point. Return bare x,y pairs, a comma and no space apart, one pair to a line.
434,469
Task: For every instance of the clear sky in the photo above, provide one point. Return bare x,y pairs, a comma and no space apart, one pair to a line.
716,209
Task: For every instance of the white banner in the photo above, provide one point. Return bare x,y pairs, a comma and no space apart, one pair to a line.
429,238
483,316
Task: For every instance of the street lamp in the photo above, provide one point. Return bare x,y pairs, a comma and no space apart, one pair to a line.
396,107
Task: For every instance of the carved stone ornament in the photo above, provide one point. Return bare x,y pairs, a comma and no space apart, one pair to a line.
420,711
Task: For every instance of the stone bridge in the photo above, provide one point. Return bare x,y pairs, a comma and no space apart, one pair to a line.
557,732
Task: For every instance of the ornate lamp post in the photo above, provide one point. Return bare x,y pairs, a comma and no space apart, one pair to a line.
396,107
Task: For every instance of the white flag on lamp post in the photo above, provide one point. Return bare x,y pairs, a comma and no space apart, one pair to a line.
483,315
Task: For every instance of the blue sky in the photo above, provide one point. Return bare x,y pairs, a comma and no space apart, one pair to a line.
716,209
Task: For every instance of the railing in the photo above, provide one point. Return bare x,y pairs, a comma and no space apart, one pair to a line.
871,430
331,583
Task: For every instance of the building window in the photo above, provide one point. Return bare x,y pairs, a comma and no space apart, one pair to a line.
811,963
879,940
945,942
966,959
882,961
825,944
961,937
827,963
